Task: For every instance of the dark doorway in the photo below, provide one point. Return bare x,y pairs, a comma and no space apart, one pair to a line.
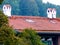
47,36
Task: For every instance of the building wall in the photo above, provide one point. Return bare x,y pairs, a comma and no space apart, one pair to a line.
59,40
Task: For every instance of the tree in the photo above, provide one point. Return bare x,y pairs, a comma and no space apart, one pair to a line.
1,1
3,19
29,7
30,37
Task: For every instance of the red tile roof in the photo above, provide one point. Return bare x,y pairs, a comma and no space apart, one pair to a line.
41,24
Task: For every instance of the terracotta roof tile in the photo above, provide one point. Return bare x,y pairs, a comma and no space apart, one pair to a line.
40,23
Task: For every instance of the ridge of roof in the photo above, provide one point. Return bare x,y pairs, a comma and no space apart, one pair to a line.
33,17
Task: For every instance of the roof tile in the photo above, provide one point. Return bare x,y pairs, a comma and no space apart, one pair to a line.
40,23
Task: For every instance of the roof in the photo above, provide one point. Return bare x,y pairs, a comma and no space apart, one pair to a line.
41,24
49,9
6,5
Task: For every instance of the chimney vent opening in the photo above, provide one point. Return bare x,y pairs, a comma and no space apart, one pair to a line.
51,13
7,10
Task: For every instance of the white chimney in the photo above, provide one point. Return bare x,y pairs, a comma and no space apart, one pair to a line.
49,12
7,10
54,13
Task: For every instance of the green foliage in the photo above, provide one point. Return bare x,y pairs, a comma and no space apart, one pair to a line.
29,7
3,19
6,34
30,37
1,1
27,37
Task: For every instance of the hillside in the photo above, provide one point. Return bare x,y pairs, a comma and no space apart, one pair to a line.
30,7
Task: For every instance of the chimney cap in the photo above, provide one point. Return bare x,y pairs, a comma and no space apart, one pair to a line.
49,9
7,5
